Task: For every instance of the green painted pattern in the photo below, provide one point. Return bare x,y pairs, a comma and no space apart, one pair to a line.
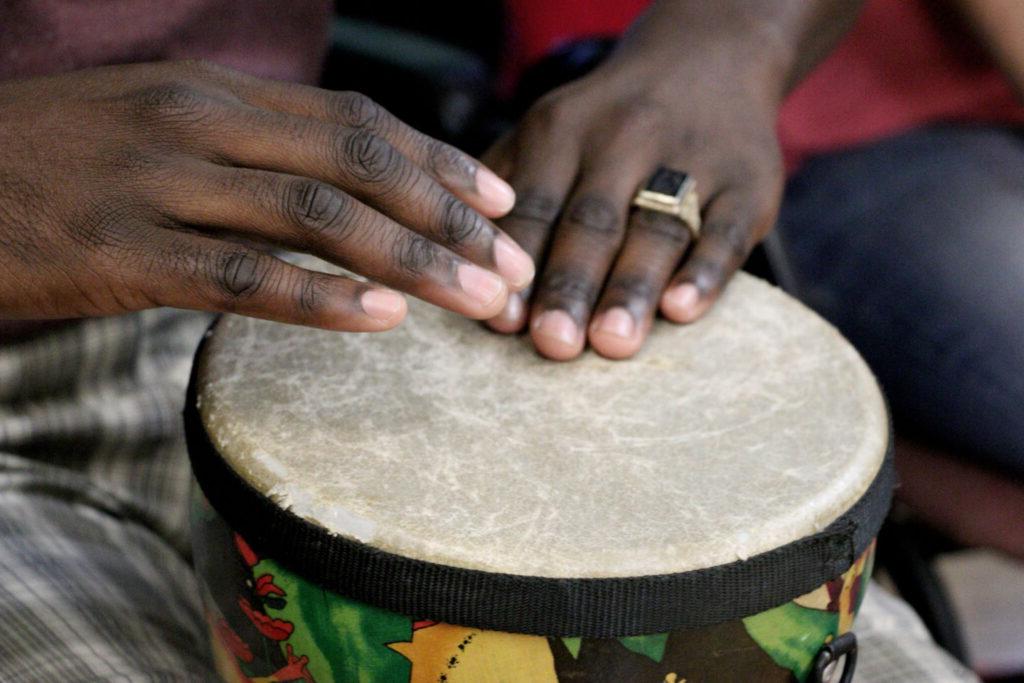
792,635
573,646
652,646
345,640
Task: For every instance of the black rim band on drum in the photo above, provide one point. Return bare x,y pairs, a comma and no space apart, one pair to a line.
587,607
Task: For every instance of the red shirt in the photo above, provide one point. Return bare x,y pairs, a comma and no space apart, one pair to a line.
899,68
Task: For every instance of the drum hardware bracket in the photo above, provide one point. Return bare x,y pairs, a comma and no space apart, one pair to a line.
844,645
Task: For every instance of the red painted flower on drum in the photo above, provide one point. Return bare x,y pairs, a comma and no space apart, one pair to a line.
265,586
275,629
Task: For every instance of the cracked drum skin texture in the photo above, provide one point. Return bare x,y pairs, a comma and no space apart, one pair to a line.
440,441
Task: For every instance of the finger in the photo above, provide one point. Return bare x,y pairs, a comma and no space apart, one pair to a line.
469,179
655,244
317,218
460,173
542,174
586,241
196,272
734,222
368,167
499,157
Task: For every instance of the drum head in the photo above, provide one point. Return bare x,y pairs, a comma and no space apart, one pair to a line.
441,443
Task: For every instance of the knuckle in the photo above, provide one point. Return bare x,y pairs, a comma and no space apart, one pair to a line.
356,110
169,96
641,118
753,201
626,289
415,254
552,112
174,101
706,272
536,206
310,296
132,161
318,209
368,156
694,144
661,227
239,274
137,246
757,171
594,215
103,227
444,161
143,172
736,239
569,290
459,224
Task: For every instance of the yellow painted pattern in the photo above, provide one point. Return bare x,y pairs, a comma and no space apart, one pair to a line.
442,653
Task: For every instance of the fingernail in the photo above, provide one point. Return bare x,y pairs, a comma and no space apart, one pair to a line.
481,285
514,264
382,304
681,301
616,321
557,325
512,314
495,190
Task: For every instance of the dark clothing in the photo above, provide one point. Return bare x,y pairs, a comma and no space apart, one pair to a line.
914,248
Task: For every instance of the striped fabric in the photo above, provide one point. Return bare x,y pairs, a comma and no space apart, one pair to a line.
95,581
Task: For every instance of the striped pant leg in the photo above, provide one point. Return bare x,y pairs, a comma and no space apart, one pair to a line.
87,594
95,581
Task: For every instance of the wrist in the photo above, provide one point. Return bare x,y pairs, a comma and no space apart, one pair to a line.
700,74
763,48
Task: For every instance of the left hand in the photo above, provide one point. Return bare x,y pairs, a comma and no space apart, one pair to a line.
577,160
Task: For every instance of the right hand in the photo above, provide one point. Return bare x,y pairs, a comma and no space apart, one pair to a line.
129,187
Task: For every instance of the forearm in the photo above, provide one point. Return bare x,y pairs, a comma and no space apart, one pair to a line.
999,25
773,43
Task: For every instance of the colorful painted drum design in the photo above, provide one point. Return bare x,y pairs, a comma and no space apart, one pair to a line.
439,504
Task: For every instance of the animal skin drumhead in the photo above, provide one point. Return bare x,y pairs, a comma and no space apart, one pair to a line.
441,441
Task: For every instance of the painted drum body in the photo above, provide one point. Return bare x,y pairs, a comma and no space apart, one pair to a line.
437,503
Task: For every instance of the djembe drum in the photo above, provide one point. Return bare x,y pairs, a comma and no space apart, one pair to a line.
438,503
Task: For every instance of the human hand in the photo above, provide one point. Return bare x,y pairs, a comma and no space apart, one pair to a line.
576,162
129,187
693,86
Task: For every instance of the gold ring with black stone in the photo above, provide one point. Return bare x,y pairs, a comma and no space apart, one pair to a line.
674,193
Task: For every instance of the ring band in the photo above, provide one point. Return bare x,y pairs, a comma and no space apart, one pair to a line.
674,193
